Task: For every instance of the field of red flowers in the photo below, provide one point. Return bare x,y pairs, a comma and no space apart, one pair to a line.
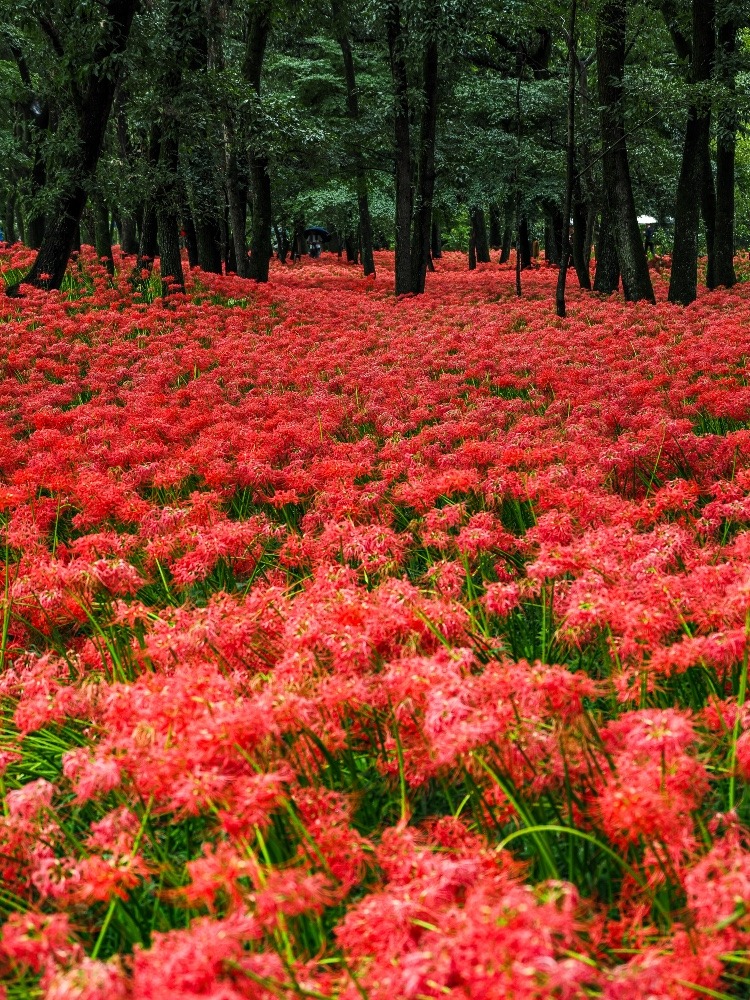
363,648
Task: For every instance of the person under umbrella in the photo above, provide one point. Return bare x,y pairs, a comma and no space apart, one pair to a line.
316,236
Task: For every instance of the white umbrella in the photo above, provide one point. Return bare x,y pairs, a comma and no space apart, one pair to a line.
646,220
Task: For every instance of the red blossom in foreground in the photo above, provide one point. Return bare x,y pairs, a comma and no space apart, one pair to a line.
356,647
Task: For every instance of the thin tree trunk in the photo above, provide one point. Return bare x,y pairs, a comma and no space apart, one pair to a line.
683,284
420,244
191,239
726,141
128,223
97,94
524,243
437,241
261,250
570,162
610,58
580,225
402,139
496,224
102,232
9,219
352,108
507,231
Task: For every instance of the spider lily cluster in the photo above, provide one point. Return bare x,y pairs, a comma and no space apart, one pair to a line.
371,648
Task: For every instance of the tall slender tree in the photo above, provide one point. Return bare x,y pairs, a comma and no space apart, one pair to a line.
611,23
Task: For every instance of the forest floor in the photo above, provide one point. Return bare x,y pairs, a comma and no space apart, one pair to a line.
372,648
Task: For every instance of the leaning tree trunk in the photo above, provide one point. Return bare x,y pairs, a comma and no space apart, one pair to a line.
726,142
402,144
610,60
683,284
261,249
94,107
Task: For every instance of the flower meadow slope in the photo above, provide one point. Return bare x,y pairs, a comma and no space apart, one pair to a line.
366,648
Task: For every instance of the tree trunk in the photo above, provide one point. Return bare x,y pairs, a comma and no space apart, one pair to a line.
610,59
580,228
570,162
167,219
479,231
261,250
129,239
128,220
191,239
507,231
425,187
683,285
726,141
437,241
472,251
149,247
9,219
352,254
237,202
402,140
93,114
496,227
607,275
102,232
524,243
352,108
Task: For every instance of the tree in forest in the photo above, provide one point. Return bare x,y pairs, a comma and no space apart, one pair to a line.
93,59
620,212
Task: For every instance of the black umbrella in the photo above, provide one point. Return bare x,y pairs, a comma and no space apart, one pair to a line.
323,234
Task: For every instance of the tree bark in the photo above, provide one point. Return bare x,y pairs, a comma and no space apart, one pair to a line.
607,274
261,249
580,229
726,141
191,239
437,241
508,227
167,218
93,114
524,243
610,59
402,140
496,227
683,284
352,108
479,231
102,237
425,187
570,163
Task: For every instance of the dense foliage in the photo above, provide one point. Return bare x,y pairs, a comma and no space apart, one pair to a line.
356,646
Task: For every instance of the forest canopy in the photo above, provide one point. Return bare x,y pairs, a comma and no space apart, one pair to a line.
231,126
